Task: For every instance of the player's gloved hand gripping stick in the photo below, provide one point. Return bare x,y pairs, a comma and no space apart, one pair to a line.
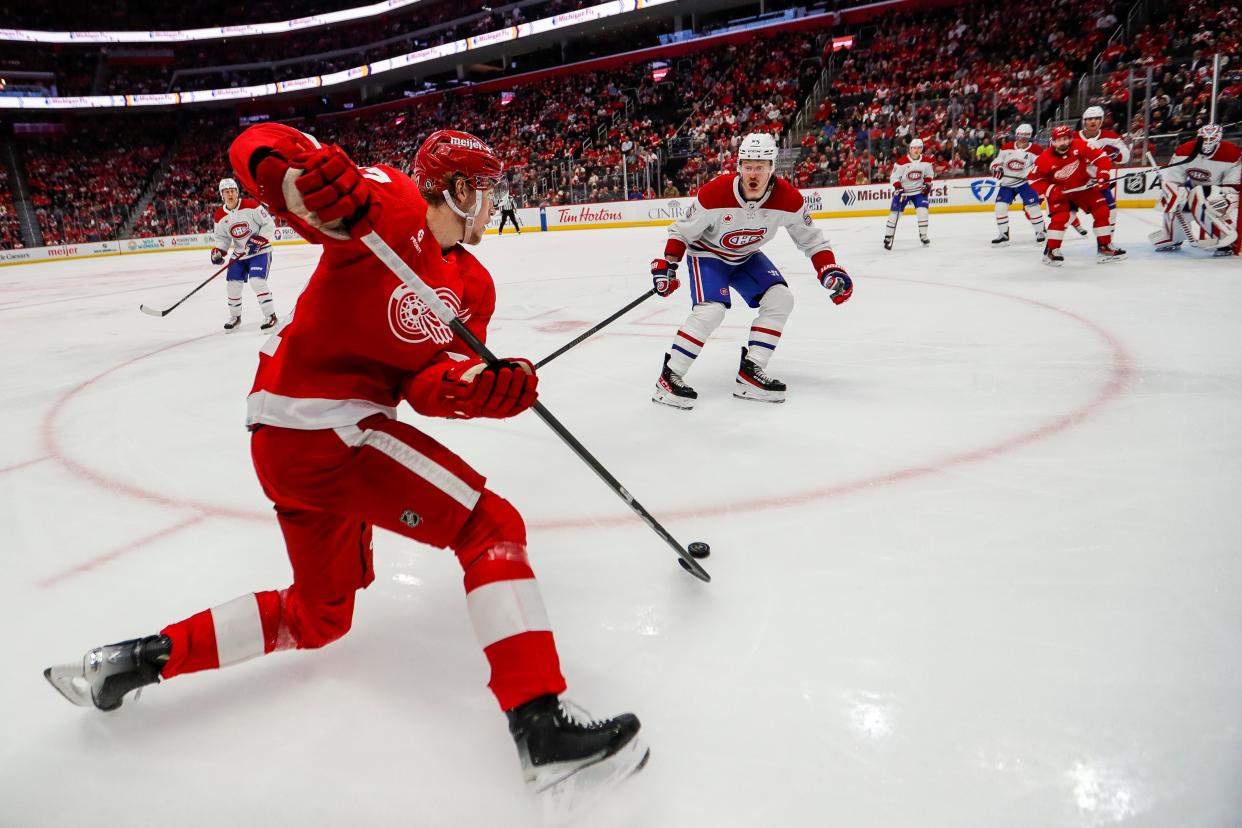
403,271
203,284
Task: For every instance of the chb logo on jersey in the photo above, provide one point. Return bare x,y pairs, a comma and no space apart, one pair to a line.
239,231
738,239
983,189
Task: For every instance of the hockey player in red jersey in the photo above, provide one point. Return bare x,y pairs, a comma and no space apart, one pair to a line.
1070,175
334,460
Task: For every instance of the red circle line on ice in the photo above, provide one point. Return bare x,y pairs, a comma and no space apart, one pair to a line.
1120,371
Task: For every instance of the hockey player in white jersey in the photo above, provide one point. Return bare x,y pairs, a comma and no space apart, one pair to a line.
244,228
1200,186
1118,150
1012,165
912,179
720,235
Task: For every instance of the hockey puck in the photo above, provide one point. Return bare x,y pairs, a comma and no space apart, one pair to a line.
698,549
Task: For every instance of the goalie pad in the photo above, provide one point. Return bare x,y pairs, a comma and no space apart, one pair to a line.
1210,212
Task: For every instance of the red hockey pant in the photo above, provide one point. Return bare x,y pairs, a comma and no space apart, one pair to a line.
329,487
1063,207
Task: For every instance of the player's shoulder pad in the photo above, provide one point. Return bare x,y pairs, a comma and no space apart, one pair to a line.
1110,134
719,192
1185,149
249,202
905,159
1008,145
219,214
1035,148
786,197
1228,152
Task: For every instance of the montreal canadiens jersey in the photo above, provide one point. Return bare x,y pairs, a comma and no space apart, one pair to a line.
1116,147
912,175
1013,165
234,227
357,332
1222,168
722,224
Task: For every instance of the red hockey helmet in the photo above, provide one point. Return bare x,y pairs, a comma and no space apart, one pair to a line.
447,153
1062,131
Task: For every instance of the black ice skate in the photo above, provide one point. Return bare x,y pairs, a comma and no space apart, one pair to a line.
271,322
1223,251
672,390
926,241
753,384
571,762
1053,258
1108,253
1041,237
232,324
888,242
1002,240
107,673
1082,231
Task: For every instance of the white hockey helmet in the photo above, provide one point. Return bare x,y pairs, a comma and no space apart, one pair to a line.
1210,134
1024,131
1093,112
758,146
228,184
916,143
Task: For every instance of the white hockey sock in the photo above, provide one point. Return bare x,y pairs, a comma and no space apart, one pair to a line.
234,290
703,320
1002,219
922,216
1036,217
891,227
259,285
765,332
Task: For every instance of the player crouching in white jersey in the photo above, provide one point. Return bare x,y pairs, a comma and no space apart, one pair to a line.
1013,164
733,216
244,227
1201,183
912,179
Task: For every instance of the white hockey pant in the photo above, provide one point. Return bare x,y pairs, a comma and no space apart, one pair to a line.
702,322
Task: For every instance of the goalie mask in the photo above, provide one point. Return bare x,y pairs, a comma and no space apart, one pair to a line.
1210,136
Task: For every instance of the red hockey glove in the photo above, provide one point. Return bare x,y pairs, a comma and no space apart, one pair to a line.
837,282
927,188
664,277
996,171
898,189
217,256
332,188
256,243
472,389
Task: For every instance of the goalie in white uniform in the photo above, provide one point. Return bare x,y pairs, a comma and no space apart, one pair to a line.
720,234
1199,194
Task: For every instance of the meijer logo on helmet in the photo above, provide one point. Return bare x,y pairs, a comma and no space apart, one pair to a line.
469,143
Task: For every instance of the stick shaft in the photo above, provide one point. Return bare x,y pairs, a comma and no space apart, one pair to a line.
596,329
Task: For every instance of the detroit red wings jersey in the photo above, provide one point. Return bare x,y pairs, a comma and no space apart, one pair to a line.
1222,168
1112,143
235,227
1013,165
1076,171
357,331
722,224
912,175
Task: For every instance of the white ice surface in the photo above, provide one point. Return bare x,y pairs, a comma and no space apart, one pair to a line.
982,569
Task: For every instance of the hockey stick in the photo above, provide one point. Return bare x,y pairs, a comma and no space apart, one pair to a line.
610,319
411,279
230,263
